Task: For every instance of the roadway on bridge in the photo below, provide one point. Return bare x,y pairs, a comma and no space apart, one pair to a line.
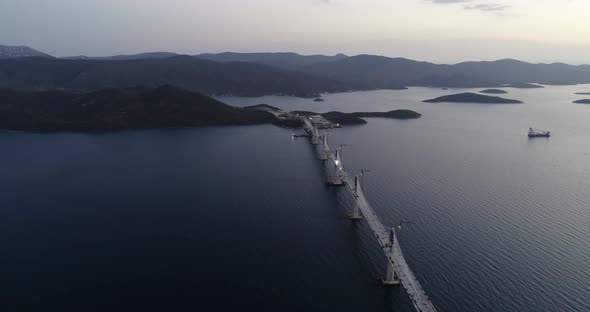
387,239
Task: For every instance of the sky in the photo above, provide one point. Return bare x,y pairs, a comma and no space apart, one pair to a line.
442,31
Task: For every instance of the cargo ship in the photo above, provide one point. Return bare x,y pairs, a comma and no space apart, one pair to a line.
534,133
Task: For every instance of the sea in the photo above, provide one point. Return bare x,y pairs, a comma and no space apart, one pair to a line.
239,218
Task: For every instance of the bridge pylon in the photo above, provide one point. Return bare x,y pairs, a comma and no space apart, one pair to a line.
356,212
315,136
391,278
398,271
337,161
324,149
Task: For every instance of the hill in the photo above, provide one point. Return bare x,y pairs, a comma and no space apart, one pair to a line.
378,72
493,91
242,79
118,109
524,85
263,107
140,56
374,72
285,60
472,98
257,74
140,107
370,71
356,118
395,114
11,52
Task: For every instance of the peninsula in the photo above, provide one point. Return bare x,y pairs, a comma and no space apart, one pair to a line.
584,101
119,109
143,107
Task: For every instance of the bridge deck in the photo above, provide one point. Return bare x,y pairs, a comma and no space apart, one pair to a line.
392,250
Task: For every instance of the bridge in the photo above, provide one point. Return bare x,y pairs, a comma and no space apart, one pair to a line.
398,271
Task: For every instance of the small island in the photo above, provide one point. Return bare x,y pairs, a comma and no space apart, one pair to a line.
472,98
344,118
493,91
584,101
318,100
524,85
357,118
583,93
293,119
265,107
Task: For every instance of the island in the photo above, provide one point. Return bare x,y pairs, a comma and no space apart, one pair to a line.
318,100
472,98
343,118
583,93
265,107
493,91
524,85
356,118
584,101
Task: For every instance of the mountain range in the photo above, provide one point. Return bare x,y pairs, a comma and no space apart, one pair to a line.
148,55
234,78
380,72
256,74
286,60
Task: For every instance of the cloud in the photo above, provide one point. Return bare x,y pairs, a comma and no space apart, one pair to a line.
448,1
496,8
487,7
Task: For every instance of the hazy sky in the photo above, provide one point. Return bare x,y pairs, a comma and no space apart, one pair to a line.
432,30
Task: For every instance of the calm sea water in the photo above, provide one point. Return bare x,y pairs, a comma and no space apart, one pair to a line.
218,219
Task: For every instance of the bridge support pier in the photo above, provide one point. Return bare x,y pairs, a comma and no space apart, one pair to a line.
356,213
391,278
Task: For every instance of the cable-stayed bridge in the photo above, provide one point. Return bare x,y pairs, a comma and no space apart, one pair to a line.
398,271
